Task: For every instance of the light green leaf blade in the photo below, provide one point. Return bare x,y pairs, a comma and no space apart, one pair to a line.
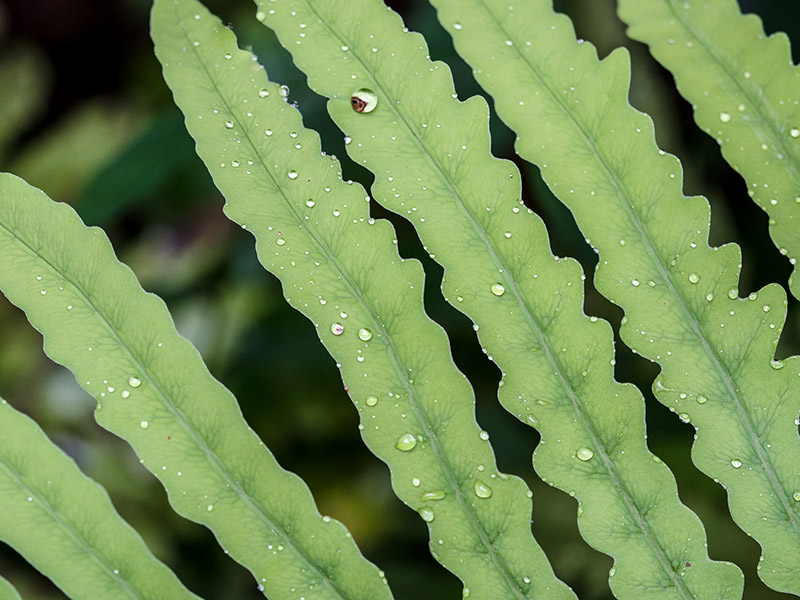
745,92
679,295
154,391
342,270
431,158
64,524
8,591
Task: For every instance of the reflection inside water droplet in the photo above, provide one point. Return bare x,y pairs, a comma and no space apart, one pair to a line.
363,100
482,490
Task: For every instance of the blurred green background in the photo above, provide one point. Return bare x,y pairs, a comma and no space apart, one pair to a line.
85,115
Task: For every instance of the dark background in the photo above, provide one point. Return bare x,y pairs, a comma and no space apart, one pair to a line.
85,115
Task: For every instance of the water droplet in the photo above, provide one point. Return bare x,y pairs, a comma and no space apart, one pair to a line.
733,293
228,124
507,234
766,308
280,241
228,56
484,435
415,481
363,100
364,334
702,399
498,289
482,490
310,203
406,442
426,514
371,401
794,132
584,454
292,174
724,117
125,394
144,424
285,91
433,495
210,507
347,140
268,132
337,329
263,92
694,278
736,463
458,26
796,496
134,382
777,364
635,282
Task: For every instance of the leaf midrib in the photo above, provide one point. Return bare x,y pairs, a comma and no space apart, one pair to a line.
607,462
66,527
724,374
445,465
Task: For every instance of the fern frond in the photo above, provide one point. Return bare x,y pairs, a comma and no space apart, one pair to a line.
682,310
52,511
430,155
8,591
341,269
745,92
154,391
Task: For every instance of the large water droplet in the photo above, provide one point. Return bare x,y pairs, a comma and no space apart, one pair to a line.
371,401
482,490
736,463
433,495
794,132
292,174
406,442
724,117
694,278
134,382
364,334
498,289
584,454
363,100
426,514
144,424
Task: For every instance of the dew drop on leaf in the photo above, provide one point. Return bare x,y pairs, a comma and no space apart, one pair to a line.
584,454
371,401
364,334
363,100
337,329
426,514
433,495
292,174
406,442
736,463
498,289
134,382
482,490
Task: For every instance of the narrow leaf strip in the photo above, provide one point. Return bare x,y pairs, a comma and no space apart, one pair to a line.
745,92
64,524
154,391
430,154
682,309
341,269
8,591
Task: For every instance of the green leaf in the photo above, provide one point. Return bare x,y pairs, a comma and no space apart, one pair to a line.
745,92
7,591
430,154
341,269
154,391
64,524
680,298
